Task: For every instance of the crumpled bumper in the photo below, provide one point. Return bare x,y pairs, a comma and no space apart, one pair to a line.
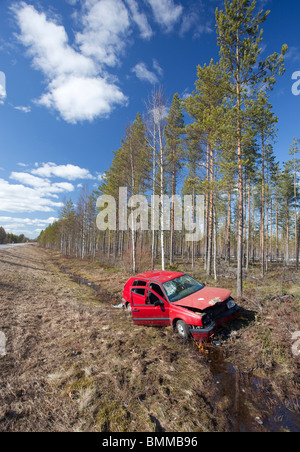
203,334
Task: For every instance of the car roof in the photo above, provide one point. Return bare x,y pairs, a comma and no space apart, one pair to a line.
159,276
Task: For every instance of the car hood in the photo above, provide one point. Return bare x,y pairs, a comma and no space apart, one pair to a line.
205,298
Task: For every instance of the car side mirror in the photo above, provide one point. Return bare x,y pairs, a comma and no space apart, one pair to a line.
158,303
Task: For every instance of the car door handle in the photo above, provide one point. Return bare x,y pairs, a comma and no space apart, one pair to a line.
135,310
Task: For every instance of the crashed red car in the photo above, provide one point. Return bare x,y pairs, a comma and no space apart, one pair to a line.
160,298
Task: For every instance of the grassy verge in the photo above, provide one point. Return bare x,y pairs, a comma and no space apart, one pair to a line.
126,378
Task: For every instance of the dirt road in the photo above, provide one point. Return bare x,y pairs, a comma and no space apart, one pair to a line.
73,363
13,245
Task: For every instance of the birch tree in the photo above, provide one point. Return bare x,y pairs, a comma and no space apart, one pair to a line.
174,130
157,109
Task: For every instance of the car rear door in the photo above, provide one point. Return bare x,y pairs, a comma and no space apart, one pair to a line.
143,309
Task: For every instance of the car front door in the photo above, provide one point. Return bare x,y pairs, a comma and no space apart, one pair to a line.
149,307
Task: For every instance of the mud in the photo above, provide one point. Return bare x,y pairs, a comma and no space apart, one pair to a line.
247,394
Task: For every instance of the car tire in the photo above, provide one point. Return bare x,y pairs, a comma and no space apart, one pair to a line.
128,307
182,329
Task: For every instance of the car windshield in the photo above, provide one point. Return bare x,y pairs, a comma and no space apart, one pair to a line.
181,287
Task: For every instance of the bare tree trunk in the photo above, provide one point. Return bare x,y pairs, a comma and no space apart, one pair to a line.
132,225
287,250
240,179
296,215
249,225
262,216
193,221
153,192
162,232
211,214
207,199
215,244
277,229
228,229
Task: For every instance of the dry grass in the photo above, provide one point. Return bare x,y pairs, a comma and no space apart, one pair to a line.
75,364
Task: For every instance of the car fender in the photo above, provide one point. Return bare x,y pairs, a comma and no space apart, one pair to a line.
189,317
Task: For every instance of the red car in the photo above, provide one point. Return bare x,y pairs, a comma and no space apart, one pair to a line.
160,298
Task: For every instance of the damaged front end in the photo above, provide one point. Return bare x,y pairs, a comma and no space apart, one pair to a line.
213,317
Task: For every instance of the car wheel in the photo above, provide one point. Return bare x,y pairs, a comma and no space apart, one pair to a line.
182,329
128,307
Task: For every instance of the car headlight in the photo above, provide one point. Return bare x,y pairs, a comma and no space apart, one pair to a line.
230,303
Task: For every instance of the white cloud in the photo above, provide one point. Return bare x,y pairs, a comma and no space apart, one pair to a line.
106,26
23,109
192,20
18,198
140,19
43,186
48,45
293,54
100,176
30,227
68,172
166,13
2,87
26,221
30,180
81,98
144,74
35,191
157,68
75,87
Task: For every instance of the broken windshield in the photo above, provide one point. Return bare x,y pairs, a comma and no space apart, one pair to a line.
181,287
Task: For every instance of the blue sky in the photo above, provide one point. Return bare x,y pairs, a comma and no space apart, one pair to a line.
74,74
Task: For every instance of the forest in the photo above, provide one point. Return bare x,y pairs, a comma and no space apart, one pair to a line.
7,238
217,142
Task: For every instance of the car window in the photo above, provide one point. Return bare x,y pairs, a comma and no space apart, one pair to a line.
140,292
139,283
181,287
152,298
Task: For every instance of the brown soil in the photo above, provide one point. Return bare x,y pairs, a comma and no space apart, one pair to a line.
74,363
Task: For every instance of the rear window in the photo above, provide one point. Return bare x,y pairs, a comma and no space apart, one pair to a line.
139,283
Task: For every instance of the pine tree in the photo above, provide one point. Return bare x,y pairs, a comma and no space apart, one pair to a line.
207,107
239,39
192,183
264,122
2,235
68,227
287,195
139,164
295,163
